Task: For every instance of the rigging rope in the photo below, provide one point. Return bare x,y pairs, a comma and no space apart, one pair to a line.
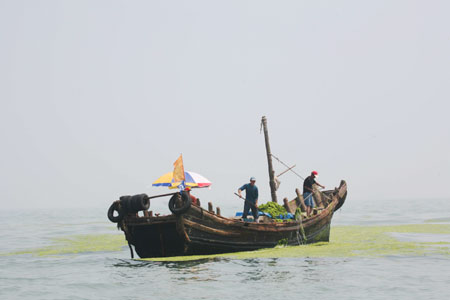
290,169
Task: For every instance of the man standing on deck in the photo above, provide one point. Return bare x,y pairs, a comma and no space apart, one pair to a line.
251,197
308,190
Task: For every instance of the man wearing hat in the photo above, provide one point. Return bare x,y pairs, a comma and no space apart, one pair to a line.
251,195
308,190
194,199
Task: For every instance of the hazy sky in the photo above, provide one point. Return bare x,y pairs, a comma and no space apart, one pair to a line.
99,98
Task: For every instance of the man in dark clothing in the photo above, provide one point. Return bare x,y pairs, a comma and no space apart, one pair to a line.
308,190
251,195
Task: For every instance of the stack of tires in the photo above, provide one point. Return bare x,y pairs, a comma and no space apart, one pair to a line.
127,205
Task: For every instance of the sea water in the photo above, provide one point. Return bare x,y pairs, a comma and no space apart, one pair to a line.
377,250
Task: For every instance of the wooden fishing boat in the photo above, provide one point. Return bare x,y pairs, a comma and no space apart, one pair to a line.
194,230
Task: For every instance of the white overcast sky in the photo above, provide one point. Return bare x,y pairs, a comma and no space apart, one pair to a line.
99,98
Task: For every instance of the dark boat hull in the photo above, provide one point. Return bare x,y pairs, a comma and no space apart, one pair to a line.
199,232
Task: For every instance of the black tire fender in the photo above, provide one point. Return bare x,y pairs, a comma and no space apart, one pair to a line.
125,203
186,203
140,202
115,207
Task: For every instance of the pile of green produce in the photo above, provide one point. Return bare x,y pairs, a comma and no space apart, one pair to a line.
274,209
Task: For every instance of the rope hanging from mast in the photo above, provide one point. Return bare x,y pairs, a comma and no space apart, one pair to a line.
289,168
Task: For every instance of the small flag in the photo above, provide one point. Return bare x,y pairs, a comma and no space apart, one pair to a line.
178,171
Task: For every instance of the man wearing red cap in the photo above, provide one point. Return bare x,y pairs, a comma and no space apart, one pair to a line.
308,190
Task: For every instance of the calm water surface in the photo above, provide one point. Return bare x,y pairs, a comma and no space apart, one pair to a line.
403,253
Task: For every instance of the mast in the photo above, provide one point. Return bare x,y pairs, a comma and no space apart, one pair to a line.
269,161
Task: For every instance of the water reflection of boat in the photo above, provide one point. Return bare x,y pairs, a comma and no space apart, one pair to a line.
194,230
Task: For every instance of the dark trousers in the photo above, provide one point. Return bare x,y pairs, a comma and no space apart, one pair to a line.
247,206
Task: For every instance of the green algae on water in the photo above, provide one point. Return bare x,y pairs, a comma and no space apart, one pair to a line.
349,241
76,244
345,241
438,220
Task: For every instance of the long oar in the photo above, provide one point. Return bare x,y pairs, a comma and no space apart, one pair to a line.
252,204
163,195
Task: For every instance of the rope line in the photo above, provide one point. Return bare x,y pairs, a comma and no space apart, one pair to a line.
290,169
287,166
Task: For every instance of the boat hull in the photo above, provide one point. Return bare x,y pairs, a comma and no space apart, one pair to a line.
199,231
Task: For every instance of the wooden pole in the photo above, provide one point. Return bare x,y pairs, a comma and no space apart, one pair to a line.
318,198
269,161
301,200
286,205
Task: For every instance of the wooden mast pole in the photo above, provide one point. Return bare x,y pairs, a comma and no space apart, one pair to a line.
269,161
